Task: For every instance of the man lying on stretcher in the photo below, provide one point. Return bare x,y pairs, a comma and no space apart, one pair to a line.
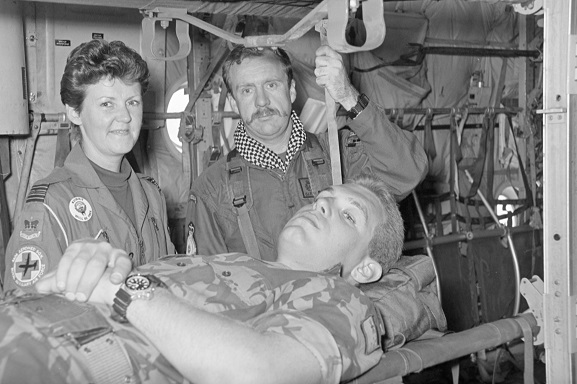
222,319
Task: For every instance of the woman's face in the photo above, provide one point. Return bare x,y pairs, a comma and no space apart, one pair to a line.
110,120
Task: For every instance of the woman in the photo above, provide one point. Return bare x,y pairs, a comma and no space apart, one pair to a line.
96,193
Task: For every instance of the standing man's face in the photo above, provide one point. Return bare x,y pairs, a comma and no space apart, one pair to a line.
263,97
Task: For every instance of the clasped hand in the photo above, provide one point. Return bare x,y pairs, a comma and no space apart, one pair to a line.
89,270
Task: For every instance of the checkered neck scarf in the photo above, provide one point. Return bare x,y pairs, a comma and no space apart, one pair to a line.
258,154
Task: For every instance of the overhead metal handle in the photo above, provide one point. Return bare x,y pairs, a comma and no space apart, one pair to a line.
338,17
149,35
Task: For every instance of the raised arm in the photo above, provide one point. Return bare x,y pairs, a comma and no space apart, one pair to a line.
394,155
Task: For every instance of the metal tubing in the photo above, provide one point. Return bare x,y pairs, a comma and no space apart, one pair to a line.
509,241
418,355
27,166
429,248
464,236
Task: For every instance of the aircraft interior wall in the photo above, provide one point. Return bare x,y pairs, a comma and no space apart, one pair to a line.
438,81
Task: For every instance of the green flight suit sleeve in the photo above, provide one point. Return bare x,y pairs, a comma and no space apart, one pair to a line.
394,155
35,247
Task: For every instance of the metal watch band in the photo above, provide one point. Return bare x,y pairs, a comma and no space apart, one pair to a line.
362,102
125,296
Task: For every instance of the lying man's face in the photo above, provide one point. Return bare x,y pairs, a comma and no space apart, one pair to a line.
337,228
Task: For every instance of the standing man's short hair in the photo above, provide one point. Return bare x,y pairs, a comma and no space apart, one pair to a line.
238,54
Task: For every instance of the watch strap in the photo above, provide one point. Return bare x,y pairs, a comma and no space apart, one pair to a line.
362,102
124,296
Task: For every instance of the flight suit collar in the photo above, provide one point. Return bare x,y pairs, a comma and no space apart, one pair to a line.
256,153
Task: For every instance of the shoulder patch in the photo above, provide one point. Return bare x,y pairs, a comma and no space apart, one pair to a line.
152,181
28,265
37,193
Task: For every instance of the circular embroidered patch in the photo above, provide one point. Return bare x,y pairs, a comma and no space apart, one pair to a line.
80,209
28,265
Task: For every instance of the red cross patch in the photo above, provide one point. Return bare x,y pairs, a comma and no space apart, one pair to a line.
28,265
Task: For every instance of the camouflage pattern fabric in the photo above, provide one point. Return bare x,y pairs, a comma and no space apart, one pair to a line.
332,319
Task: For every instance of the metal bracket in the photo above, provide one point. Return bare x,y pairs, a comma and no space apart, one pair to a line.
337,12
188,131
338,18
149,34
532,290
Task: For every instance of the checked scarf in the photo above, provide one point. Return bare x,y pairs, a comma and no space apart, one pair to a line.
253,151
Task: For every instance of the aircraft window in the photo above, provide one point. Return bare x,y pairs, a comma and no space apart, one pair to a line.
177,103
508,193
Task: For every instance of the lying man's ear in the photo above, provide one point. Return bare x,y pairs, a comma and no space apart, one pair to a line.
367,271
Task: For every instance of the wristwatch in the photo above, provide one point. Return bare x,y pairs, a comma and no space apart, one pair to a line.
135,287
362,103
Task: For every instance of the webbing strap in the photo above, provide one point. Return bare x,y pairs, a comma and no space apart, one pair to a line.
485,158
316,165
62,147
528,336
107,360
528,189
333,130
240,193
455,373
429,140
247,232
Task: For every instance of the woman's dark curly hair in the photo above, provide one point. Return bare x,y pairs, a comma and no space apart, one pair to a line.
90,62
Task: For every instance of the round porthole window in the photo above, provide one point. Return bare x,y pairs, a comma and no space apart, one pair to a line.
177,103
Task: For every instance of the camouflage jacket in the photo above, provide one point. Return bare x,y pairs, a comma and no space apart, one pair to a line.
335,321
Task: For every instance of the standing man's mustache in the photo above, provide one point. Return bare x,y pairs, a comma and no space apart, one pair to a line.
264,112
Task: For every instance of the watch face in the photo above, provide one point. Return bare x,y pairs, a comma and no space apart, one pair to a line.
137,282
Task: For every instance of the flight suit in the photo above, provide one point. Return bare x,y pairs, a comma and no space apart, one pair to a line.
72,203
327,315
373,144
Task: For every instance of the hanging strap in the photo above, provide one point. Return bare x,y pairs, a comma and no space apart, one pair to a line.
485,149
333,133
62,144
528,189
240,193
430,149
528,377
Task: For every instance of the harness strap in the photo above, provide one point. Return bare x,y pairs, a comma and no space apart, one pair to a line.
86,328
238,185
318,169
107,360
240,191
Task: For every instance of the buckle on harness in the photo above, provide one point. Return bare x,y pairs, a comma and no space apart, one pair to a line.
239,201
84,337
318,162
234,170
352,141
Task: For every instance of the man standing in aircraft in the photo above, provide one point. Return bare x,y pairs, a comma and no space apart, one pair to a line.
221,319
242,202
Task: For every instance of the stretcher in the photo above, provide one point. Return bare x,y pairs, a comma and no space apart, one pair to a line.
420,354
500,324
